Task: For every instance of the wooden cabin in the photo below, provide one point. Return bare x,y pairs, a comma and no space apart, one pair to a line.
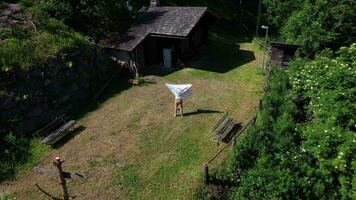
162,35
281,53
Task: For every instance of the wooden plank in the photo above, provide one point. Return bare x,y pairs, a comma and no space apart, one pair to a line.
56,120
59,133
224,128
220,120
228,130
222,125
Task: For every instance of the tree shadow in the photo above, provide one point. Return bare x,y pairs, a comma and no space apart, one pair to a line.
223,53
201,111
221,57
119,84
222,182
229,32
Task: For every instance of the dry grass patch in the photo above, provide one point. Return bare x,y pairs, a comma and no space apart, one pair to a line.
133,147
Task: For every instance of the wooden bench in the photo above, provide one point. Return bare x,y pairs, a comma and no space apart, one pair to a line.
225,128
55,130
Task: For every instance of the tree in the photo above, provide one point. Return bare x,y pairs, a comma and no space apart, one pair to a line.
303,144
95,18
319,24
278,11
314,24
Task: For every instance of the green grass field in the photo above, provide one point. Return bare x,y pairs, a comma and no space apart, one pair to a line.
132,146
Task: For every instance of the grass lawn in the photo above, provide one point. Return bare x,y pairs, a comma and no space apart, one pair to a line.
133,148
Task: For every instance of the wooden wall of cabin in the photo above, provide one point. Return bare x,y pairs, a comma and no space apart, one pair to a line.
151,51
138,56
277,56
197,38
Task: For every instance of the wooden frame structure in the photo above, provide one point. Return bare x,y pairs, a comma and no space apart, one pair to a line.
61,175
56,129
225,128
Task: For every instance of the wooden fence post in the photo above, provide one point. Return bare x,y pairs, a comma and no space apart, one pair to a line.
206,173
62,182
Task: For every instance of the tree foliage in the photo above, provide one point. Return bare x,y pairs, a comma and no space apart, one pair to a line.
278,11
303,145
95,18
314,24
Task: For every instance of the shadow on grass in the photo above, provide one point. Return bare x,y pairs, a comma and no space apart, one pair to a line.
199,112
216,189
232,33
222,61
223,52
221,182
237,127
118,85
69,136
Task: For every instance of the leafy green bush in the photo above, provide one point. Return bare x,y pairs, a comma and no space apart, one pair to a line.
17,151
303,144
329,86
93,18
313,24
22,50
5,198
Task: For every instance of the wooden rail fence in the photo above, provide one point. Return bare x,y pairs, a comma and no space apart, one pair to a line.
251,122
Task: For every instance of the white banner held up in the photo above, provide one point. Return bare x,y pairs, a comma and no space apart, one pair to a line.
180,91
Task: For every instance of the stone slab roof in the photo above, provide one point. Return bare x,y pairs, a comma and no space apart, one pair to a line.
159,21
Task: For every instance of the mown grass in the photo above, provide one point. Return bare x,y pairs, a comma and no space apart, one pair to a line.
133,147
26,157
37,150
172,152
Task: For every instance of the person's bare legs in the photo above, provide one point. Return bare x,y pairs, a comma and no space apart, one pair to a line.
181,107
178,106
175,108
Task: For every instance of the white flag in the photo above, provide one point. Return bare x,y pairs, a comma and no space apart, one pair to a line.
180,91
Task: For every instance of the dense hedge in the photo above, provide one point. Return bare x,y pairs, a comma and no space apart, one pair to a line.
303,145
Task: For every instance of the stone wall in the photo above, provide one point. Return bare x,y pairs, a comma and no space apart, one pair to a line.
31,99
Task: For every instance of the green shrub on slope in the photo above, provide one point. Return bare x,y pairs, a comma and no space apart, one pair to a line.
303,145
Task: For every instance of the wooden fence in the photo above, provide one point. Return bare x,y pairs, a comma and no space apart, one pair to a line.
251,122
